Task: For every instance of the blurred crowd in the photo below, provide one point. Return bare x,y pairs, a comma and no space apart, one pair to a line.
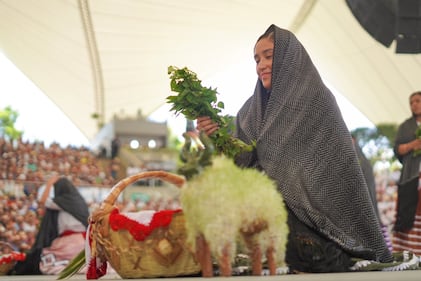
24,169
19,219
34,163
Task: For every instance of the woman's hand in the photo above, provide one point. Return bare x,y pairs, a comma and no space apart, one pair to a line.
52,180
205,124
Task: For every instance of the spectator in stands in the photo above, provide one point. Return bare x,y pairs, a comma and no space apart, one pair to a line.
115,147
408,151
115,167
30,163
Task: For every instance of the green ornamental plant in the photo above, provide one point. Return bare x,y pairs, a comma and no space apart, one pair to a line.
194,100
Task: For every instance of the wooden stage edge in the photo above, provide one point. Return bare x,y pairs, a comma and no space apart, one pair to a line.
408,275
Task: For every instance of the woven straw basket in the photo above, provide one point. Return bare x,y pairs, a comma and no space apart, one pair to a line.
162,254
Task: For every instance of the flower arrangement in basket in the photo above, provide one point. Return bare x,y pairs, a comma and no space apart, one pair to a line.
9,259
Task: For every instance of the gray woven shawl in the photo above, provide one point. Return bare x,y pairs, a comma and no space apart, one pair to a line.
304,144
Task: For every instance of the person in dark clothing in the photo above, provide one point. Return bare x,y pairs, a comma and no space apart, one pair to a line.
407,149
115,147
61,234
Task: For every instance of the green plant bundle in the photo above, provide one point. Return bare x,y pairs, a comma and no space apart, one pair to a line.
194,100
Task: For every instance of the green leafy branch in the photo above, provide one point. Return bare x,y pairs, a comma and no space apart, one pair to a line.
194,100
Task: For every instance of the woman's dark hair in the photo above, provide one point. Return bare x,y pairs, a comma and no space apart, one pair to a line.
415,93
268,34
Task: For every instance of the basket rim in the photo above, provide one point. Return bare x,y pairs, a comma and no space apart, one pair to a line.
169,177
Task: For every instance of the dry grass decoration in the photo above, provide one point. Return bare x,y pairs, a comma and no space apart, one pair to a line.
225,205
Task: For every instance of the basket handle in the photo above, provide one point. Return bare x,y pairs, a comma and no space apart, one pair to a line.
122,184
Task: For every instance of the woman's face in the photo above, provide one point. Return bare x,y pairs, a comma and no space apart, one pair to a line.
263,55
415,103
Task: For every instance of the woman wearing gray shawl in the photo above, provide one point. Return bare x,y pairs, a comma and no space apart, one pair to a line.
303,143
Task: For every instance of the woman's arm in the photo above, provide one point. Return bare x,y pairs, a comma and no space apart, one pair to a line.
49,185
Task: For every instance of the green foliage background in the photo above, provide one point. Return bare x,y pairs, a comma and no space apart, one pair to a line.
377,142
8,117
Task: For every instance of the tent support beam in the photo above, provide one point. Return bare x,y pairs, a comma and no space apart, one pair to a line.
302,15
95,61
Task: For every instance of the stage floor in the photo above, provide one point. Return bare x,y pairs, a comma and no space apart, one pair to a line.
409,275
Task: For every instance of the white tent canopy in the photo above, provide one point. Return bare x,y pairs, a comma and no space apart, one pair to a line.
111,56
